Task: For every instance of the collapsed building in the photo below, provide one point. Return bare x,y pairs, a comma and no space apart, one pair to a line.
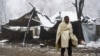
15,29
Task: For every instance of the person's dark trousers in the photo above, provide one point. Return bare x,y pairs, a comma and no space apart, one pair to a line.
62,51
69,49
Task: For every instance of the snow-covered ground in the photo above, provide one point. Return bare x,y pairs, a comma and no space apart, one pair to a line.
95,44
91,44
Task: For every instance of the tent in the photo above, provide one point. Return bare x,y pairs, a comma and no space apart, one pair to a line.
91,30
23,20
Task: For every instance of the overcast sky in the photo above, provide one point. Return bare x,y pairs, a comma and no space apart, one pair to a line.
16,8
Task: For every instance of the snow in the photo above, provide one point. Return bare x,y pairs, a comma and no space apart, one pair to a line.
81,46
35,37
47,23
90,20
72,15
16,28
2,41
91,44
44,21
95,44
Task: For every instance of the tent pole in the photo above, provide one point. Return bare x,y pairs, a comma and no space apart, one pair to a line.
28,28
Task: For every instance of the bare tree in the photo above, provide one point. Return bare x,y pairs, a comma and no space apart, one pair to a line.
79,4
